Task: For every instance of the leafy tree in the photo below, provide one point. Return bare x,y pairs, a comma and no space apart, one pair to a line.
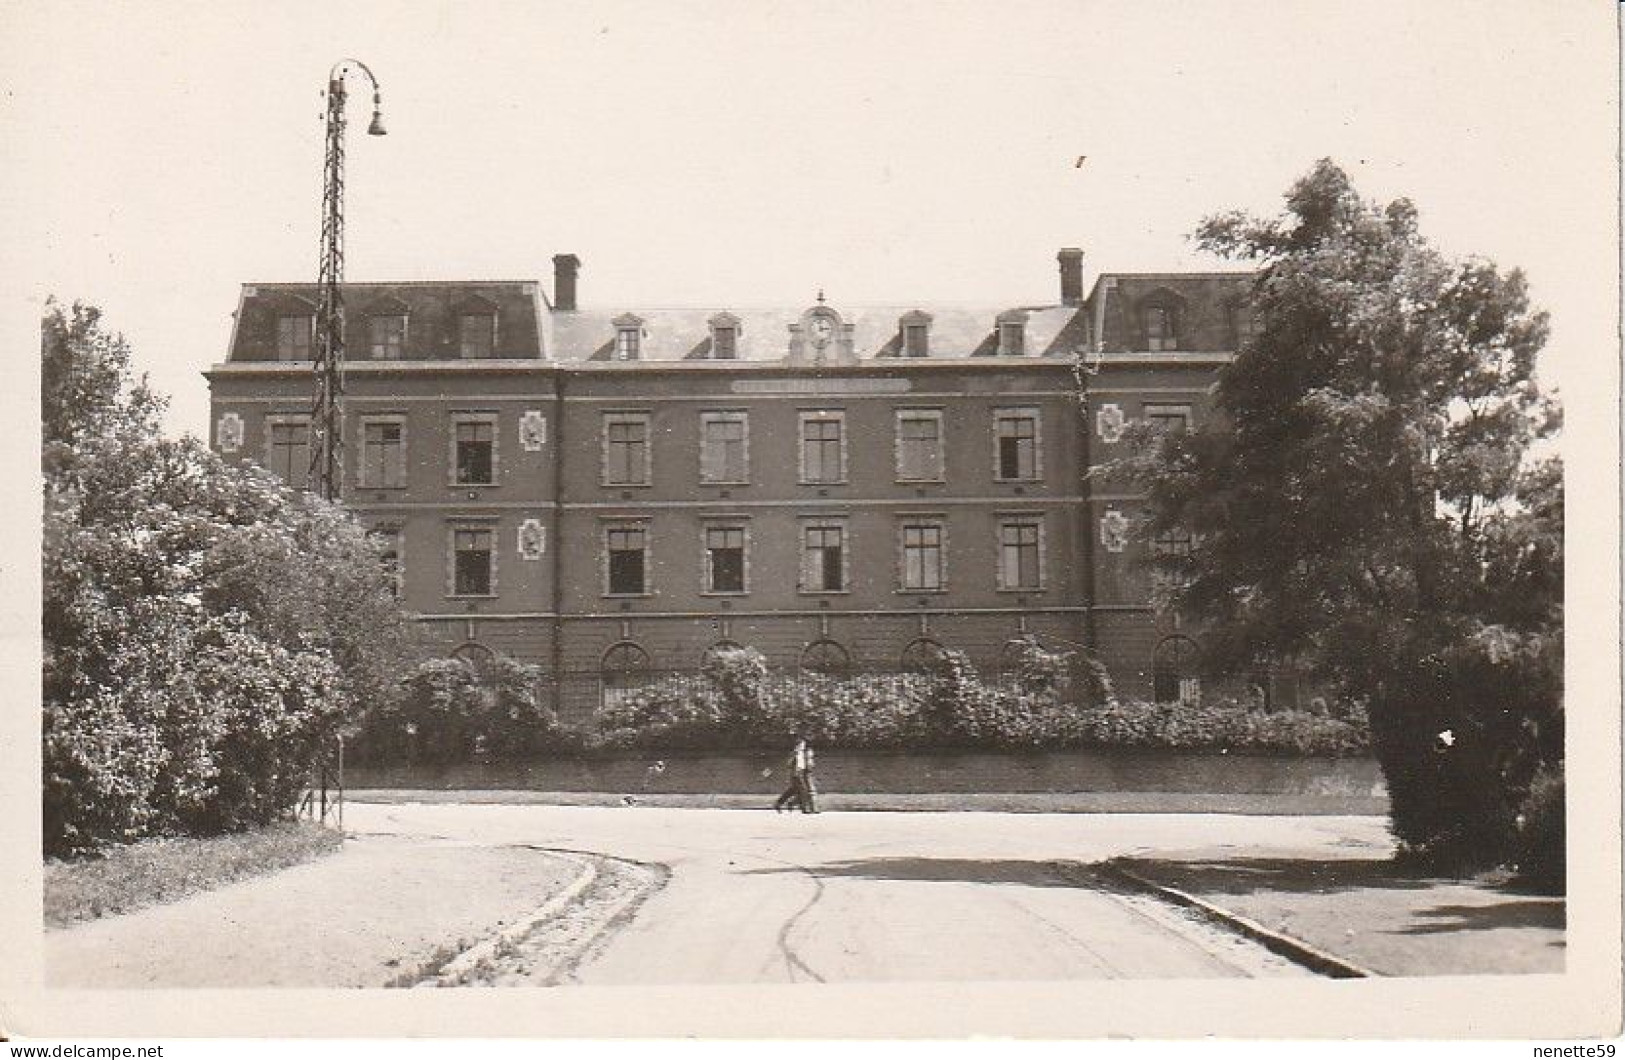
205,629
1368,503
86,383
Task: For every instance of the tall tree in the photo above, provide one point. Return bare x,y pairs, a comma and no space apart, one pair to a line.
1368,503
205,628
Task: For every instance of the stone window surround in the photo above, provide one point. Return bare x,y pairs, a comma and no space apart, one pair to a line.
741,416
1010,328
1033,413
492,420
823,522
617,416
364,421
820,415
919,413
725,322
1020,518
274,420
487,523
1151,410
914,319
939,522
397,529
609,523
629,334
723,522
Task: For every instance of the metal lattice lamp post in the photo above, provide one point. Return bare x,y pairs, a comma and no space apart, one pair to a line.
327,418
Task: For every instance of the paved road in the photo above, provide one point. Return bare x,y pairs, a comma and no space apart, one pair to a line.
758,897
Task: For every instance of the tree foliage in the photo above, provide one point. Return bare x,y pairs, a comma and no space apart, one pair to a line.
205,629
1368,502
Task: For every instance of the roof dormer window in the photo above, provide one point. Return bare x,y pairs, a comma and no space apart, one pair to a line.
915,329
476,324
386,336
725,337
1243,325
1160,320
1012,328
628,337
293,337
1159,328
476,335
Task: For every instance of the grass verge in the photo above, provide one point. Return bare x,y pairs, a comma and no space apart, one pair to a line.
155,871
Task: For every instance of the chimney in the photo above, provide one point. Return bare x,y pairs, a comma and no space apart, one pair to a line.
565,267
1071,259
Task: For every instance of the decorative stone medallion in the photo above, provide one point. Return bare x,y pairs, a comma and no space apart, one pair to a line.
230,432
1114,531
1110,421
532,539
532,430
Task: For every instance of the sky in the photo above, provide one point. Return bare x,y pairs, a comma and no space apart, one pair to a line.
736,154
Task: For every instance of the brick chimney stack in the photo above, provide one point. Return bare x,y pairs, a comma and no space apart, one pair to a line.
565,267
1071,259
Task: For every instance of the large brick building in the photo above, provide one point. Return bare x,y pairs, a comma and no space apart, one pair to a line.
615,490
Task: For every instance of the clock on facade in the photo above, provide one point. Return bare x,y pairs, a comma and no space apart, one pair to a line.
822,329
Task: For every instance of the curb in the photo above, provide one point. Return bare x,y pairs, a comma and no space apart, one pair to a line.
1295,950
487,948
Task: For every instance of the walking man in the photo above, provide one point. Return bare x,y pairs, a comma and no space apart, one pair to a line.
802,790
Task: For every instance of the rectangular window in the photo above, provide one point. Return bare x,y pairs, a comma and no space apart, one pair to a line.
823,447
724,559
388,540
823,558
626,549
626,344
626,449
1159,329
1164,418
1171,543
288,450
388,336
723,453
922,557
1016,438
475,452
383,454
476,335
1012,339
724,344
916,340
293,338
472,555
919,445
1020,559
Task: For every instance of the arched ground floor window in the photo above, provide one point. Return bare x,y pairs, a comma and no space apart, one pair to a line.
1176,671
923,656
825,658
623,670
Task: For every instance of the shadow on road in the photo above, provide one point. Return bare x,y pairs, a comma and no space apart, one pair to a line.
1547,913
1245,875
934,870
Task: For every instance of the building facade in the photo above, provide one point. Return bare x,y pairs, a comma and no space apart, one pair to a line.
613,492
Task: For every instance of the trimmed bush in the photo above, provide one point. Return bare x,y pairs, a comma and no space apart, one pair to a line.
737,703
446,710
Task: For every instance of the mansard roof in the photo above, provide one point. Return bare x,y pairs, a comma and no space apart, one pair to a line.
431,308
672,334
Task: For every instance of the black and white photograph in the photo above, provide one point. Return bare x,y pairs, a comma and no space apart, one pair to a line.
1053,520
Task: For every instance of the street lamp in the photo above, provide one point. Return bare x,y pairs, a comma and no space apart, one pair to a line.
327,421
